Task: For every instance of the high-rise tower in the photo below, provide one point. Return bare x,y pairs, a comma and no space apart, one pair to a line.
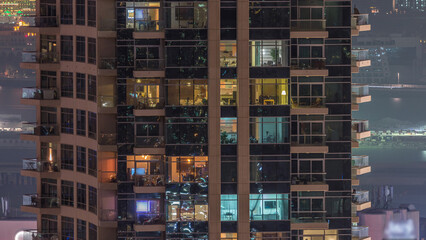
193,119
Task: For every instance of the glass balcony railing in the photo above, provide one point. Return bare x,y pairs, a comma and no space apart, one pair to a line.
33,234
38,57
43,21
150,218
360,197
309,178
43,130
308,25
360,54
150,142
106,101
308,102
360,161
33,164
359,126
33,200
310,3
108,176
149,180
107,63
308,64
308,217
148,26
361,19
107,24
39,94
148,103
107,139
308,140
149,64
108,215
360,232
360,90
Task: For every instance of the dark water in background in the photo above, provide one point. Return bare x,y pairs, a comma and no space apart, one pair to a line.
405,169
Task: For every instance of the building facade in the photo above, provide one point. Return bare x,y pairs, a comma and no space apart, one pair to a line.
195,119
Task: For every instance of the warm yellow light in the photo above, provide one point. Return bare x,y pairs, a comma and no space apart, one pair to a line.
284,93
50,155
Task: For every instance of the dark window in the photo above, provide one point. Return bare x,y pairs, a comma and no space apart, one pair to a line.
91,88
91,47
81,159
66,48
81,196
49,223
67,228
67,193
92,125
66,11
80,12
81,229
48,115
67,157
91,14
93,231
48,79
67,84
67,120
81,122
93,199
81,49
93,162
81,85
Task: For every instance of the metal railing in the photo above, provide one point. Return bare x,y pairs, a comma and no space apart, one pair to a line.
40,57
149,180
33,200
108,176
33,234
107,63
148,26
360,232
108,215
150,142
360,197
33,164
150,218
360,126
308,140
308,217
360,161
44,21
149,64
107,101
310,3
43,130
308,178
360,90
148,103
308,102
107,139
39,94
308,25
308,64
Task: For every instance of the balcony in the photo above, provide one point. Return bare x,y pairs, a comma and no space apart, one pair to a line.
149,222
360,93
148,29
42,25
360,23
33,234
34,203
108,180
360,233
308,28
149,184
37,60
308,220
308,182
361,164
148,106
107,142
107,104
37,96
361,200
108,218
32,167
107,66
149,145
308,67
360,58
308,144
44,133
308,105
360,129
149,68
107,28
